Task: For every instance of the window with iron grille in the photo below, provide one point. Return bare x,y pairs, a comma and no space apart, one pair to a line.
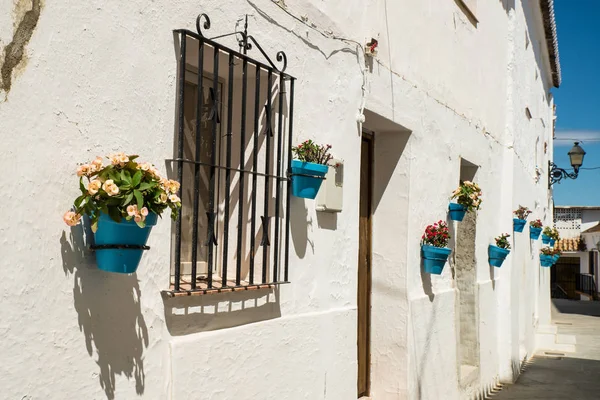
232,157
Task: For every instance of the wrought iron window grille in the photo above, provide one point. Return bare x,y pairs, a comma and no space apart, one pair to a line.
263,142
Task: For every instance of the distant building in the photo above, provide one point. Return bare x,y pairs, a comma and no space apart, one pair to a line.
577,269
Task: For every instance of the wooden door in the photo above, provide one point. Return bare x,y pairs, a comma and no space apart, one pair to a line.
364,266
565,276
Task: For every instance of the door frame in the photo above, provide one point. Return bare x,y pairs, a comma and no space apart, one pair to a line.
364,371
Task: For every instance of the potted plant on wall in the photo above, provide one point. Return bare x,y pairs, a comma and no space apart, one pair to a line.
468,198
554,237
535,229
123,201
521,215
309,168
547,235
555,255
546,257
497,254
433,247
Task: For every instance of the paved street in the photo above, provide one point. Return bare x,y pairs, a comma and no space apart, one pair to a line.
574,376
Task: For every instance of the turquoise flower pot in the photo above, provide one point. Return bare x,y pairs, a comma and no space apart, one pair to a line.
306,185
552,242
121,260
497,255
457,211
546,260
546,239
434,258
534,233
555,258
519,224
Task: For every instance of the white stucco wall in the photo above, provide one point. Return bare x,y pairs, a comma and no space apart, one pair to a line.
101,77
589,218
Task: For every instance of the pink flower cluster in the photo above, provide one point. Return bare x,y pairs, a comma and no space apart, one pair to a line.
138,215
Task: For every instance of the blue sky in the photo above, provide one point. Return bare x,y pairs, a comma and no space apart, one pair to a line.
577,99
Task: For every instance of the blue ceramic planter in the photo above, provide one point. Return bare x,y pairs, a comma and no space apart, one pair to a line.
555,258
534,233
123,261
457,211
552,242
307,184
546,260
519,224
546,239
434,258
497,255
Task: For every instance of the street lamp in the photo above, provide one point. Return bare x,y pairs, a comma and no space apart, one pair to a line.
556,174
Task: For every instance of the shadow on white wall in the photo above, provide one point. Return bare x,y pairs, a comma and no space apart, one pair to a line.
192,314
109,313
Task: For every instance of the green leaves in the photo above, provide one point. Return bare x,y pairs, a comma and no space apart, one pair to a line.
139,198
82,186
78,201
137,178
113,201
114,214
114,175
126,177
502,241
128,199
147,185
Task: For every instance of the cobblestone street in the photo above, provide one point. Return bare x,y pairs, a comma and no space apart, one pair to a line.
557,376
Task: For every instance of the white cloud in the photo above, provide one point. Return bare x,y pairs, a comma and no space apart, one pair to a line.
567,137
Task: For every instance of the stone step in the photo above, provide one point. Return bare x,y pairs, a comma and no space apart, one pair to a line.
548,342
565,339
547,329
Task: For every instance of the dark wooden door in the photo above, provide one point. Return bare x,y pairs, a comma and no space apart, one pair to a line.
364,267
565,275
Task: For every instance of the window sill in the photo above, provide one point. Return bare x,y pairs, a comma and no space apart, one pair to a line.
185,288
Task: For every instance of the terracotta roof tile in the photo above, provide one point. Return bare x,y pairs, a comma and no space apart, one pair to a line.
549,19
571,244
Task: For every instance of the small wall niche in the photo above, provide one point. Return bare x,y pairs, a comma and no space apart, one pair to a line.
466,282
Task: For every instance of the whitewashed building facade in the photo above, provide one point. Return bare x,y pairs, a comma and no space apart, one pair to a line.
458,89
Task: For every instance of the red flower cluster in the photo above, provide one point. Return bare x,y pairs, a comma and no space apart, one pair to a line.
436,235
502,241
536,224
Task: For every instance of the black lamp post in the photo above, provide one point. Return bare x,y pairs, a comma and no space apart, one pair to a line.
556,174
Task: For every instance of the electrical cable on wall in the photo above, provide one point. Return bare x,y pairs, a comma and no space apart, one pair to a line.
372,45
